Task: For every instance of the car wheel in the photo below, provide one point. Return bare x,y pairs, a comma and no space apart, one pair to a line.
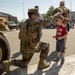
16,28
47,27
52,26
10,28
4,50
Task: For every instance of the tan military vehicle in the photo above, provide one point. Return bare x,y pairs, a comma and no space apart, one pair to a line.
51,24
4,45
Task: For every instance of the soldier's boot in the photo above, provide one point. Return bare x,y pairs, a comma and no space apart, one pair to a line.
43,64
6,65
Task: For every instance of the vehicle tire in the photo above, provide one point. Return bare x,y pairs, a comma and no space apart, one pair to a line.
47,27
52,26
10,28
4,50
17,28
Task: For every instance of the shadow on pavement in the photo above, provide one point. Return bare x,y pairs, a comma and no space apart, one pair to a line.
52,70
18,72
15,55
52,56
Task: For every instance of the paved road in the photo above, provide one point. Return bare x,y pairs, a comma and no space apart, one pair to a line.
14,42
47,37
68,68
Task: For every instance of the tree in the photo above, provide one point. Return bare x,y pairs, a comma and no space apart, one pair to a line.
49,12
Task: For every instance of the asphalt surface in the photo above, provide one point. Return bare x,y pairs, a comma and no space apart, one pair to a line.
47,34
14,42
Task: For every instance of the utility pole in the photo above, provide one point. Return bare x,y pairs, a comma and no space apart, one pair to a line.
71,7
23,12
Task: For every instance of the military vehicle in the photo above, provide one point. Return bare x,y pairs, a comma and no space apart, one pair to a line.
51,24
4,45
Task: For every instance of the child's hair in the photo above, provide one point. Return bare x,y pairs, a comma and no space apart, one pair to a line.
59,17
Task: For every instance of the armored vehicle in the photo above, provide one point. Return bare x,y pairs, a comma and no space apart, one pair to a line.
51,24
4,45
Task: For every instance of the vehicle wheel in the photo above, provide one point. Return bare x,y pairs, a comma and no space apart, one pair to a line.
10,28
4,50
47,27
16,28
52,26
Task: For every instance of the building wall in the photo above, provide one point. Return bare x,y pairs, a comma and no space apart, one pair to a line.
9,17
73,13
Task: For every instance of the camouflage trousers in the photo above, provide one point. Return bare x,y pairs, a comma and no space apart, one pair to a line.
26,57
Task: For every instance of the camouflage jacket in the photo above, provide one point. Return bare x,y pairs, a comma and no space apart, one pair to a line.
31,33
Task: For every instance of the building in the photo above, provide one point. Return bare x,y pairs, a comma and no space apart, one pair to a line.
9,17
73,14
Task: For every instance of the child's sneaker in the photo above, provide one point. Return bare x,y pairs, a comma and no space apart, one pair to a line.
56,59
62,61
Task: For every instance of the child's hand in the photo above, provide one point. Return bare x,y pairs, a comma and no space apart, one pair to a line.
54,37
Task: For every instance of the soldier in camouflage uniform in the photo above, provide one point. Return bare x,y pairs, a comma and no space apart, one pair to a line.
29,36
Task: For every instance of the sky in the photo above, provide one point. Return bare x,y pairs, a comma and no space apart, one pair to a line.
19,8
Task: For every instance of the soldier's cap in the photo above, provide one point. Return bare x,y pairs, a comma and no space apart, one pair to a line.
33,10
56,10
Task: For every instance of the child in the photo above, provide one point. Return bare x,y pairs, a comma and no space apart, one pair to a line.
61,34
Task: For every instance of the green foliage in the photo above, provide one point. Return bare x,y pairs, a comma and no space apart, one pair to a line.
49,12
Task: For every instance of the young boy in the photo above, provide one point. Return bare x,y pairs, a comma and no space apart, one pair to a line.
61,34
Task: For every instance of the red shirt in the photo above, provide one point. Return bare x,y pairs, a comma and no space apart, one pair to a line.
61,30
